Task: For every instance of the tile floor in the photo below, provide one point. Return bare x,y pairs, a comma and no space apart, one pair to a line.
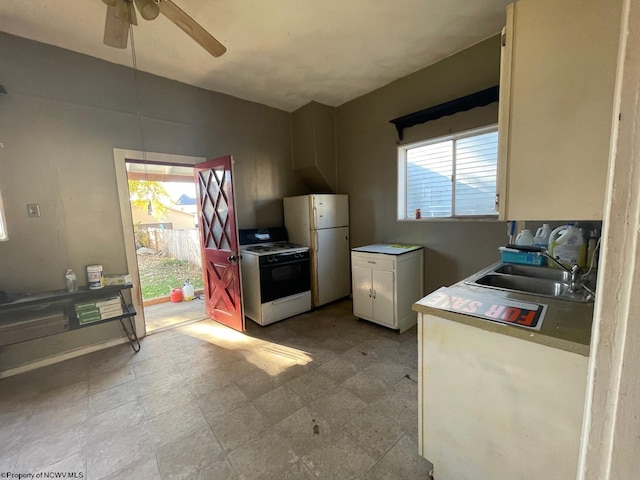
321,395
168,314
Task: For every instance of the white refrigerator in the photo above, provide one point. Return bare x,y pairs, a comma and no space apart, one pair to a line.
321,222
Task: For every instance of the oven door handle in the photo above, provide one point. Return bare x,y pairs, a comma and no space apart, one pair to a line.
282,263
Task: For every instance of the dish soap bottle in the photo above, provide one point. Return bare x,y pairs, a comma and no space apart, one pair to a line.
541,238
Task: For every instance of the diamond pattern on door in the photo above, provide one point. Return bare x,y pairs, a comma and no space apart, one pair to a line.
215,210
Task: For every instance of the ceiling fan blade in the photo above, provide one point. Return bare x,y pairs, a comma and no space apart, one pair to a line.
190,27
116,30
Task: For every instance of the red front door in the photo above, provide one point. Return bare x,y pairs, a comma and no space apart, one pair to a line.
219,242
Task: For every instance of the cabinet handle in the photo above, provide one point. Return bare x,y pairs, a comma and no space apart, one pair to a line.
373,294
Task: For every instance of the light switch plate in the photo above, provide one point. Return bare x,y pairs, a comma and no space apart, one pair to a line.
33,209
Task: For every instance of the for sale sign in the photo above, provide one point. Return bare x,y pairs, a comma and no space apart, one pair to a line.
501,310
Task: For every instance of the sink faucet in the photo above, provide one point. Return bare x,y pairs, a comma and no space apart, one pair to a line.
575,271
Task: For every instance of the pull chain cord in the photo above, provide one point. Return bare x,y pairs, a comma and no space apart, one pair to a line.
134,61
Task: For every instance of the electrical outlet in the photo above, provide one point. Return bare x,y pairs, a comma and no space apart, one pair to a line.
33,209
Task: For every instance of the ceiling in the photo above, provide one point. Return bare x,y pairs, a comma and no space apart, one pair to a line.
281,53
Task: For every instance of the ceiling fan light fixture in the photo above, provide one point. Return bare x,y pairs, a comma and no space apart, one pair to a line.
148,9
116,30
126,12
122,13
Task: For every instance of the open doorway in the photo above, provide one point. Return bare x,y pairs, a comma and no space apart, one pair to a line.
161,237
164,212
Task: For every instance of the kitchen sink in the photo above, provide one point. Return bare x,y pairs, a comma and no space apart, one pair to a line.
536,286
535,272
531,280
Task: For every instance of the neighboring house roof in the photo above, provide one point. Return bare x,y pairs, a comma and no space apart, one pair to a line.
186,200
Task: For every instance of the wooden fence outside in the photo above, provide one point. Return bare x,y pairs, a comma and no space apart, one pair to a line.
180,244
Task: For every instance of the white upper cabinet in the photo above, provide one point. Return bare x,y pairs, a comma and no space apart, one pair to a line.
557,81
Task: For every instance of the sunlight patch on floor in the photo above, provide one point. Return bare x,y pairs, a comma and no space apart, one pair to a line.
210,330
270,357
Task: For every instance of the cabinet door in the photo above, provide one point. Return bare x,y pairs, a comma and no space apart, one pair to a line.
362,302
384,310
556,108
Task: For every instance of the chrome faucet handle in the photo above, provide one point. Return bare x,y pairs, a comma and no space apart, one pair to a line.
546,254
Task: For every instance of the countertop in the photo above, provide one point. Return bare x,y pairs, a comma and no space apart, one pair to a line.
387,248
566,326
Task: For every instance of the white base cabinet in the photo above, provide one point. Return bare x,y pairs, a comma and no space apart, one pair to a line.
496,407
385,286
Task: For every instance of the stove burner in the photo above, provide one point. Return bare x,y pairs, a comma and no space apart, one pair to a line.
260,248
273,247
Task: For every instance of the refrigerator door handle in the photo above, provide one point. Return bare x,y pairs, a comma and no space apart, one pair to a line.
314,218
315,247
314,285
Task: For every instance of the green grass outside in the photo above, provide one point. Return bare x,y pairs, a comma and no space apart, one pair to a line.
159,275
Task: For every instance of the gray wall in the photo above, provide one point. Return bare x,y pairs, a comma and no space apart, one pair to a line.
59,122
65,112
367,162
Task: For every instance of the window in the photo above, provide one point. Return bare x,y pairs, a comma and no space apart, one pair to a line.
447,177
3,224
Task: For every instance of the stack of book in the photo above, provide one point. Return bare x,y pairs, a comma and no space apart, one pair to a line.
99,310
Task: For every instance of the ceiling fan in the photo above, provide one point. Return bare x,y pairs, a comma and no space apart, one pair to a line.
121,14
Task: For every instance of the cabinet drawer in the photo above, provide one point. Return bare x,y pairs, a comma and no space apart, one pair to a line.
374,261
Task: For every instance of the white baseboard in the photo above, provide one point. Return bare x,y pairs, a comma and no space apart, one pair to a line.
62,357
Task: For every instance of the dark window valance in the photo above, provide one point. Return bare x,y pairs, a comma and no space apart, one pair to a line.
462,104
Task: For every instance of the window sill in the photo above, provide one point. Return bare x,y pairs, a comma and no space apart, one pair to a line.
450,219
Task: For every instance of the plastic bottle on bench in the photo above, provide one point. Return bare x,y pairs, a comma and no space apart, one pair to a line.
71,281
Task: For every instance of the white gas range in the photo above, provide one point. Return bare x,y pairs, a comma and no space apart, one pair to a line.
276,280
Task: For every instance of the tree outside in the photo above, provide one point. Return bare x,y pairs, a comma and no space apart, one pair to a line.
149,195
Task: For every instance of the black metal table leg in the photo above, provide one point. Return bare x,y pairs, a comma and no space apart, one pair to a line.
131,336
